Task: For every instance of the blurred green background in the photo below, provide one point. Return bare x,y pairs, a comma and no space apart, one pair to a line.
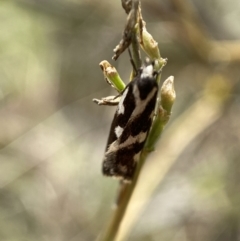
53,136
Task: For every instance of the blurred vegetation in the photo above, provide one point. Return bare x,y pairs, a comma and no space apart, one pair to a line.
53,137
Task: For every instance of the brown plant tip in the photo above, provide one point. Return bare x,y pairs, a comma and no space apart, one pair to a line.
127,5
128,30
107,68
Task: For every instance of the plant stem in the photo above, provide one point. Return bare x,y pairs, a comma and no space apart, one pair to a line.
126,190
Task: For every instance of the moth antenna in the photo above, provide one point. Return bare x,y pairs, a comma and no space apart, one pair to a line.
157,73
132,62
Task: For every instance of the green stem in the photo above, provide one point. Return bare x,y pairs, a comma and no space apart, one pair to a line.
124,197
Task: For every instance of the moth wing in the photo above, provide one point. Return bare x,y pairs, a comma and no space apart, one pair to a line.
111,164
122,115
130,128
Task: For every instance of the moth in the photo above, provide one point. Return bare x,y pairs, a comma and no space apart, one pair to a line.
131,124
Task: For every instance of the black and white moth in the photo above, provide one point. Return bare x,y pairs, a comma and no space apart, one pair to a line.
131,124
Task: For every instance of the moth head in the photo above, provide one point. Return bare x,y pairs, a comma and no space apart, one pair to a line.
148,71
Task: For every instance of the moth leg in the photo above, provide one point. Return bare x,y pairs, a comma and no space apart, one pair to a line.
109,100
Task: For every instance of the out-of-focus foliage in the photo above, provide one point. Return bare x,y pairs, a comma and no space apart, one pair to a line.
53,137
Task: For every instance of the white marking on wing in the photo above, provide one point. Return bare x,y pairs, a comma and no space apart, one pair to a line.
115,146
141,104
134,139
121,107
118,131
